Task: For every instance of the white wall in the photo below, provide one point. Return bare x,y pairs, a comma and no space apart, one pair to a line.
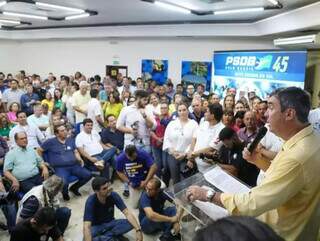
90,56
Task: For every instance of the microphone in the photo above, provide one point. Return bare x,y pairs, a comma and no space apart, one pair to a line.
261,133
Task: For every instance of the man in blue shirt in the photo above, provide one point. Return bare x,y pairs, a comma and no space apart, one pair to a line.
136,168
61,153
99,222
22,164
28,99
111,136
154,217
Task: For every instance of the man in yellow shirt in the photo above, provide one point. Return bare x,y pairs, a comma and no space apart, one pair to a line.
288,197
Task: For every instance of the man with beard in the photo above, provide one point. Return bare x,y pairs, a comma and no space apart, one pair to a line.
135,122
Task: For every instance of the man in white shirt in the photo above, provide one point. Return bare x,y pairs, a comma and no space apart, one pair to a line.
207,132
95,111
38,119
98,156
314,117
136,122
33,132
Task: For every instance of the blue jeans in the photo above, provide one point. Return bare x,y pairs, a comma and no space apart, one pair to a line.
108,231
172,170
150,227
28,184
107,157
63,215
81,173
10,212
159,158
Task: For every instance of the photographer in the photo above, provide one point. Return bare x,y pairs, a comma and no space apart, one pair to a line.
8,207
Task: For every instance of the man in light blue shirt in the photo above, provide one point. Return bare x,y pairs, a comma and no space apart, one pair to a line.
38,119
22,164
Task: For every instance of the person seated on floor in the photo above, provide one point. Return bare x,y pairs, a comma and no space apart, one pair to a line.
154,217
22,164
97,155
135,167
244,229
40,227
61,153
231,159
99,222
8,207
45,195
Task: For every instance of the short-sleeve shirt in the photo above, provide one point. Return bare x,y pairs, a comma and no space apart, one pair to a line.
245,136
136,170
94,110
89,142
58,154
115,138
9,96
156,203
22,162
98,213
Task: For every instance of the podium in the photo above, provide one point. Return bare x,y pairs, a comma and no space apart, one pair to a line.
199,214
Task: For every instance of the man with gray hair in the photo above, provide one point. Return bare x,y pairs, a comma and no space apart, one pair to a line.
288,197
42,196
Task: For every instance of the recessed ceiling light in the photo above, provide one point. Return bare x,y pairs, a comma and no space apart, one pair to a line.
172,7
243,10
84,15
9,21
47,5
3,3
25,15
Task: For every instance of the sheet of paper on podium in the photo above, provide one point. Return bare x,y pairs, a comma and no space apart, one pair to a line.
226,183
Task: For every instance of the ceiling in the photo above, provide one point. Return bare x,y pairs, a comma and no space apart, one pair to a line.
137,12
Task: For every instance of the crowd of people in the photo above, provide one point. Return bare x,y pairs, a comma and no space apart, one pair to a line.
58,133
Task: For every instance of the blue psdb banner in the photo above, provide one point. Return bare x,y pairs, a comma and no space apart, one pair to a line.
260,71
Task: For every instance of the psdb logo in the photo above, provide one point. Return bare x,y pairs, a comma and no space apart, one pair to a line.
251,62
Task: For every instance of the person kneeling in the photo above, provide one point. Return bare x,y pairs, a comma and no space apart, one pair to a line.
154,217
99,222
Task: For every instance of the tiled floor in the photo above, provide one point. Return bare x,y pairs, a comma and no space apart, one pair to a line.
76,204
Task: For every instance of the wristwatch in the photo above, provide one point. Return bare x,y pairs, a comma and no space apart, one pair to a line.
210,194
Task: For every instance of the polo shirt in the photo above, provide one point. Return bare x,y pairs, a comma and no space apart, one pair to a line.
136,170
155,203
23,163
58,154
89,142
98,213
115,138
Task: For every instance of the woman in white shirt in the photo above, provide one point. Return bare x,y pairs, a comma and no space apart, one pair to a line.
177,141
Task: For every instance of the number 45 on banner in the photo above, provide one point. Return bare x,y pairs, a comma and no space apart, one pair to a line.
281,64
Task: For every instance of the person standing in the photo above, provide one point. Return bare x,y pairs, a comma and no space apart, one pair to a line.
288,197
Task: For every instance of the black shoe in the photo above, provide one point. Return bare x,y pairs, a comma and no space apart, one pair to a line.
121,238
126,193
66,196
169,237
75,191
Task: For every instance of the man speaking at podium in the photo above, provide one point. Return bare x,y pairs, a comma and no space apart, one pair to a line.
288,197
